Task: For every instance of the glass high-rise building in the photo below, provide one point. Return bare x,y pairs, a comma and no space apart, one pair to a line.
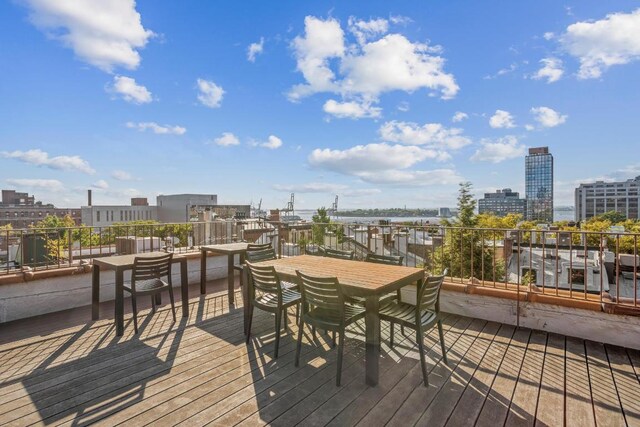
538,183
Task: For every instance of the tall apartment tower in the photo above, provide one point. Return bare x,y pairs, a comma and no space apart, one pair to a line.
538,183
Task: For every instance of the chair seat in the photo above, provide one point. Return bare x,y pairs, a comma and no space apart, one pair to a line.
323,317
403,313
289,297
384,299
147,286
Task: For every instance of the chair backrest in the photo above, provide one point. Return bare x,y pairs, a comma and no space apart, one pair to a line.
321,292
429,293
337,253
264,279
147,268
258,246
261,254
384,259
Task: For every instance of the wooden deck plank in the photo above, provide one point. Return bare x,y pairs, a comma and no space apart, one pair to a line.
441,408
626,382
496,405
606,404
550,411
470,404
319,361
363,404
579,408
106,391
377,408
89,372
463,335
522,411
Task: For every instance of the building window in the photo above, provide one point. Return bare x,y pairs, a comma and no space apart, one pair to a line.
98,216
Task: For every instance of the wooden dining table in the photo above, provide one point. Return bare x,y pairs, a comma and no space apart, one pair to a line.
122,263
228,249
357,278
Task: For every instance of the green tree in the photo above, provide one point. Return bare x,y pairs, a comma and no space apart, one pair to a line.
466,252
320,226
614,217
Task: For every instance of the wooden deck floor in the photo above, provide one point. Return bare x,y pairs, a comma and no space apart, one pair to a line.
62,369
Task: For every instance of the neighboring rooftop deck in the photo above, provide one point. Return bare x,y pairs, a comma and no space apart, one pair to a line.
63,369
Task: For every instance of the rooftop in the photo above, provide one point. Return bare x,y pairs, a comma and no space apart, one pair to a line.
62,369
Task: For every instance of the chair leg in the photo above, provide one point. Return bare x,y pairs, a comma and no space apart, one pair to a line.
249,325
333,339
278,324
135,313
391,330
402,329
299,344
297,314
313,332
423,360
153,304
173,303
340,351
444,350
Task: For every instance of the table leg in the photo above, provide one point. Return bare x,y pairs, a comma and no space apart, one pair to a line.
372,326
119,303
203,272
184,287
230,278
245,297
95,293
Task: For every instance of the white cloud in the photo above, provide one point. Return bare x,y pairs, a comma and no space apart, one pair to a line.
400,20
366,30
41,158
227,140
106,34
551,71
45,184
351,109
501,72
529,127
311,187
500,150
157,129
548,35
361,192
501,119
598,45
548,117
430,134
210,94
368,68
403,106
272,143
121,175
101,184
459,116
370,158
129,90
413,178
255,49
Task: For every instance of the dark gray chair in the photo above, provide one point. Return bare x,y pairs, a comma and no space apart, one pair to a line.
420,317
337,253
324,306
250,248
267,293
384,259
146,279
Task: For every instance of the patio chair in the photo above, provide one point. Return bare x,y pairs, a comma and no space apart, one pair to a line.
337,253
250,248
146,279
267,293
384,259
420,317
324,306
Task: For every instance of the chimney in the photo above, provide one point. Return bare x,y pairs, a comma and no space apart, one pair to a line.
88,197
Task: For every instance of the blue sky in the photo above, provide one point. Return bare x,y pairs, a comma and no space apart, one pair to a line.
385,104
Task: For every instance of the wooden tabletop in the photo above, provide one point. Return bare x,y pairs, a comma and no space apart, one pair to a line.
357,277
120,261
226,248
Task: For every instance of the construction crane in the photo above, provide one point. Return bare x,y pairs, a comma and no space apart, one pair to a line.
334,207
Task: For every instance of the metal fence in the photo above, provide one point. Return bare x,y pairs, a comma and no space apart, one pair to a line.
600,267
